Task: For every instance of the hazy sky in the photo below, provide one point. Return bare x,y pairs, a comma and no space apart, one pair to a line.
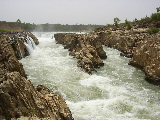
75,11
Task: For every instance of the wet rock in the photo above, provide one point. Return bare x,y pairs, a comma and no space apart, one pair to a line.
147,56
20,42
85,47
8,61
137,44
18,97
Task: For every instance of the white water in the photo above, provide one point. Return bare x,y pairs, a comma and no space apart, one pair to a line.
30,45
116,92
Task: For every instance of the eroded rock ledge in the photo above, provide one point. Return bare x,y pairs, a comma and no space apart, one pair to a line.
140,46
85,47
136,43
18,97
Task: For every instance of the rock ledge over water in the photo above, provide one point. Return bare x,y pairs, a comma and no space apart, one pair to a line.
136,43
18,97
85,47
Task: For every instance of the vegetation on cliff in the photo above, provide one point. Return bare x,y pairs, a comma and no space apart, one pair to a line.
138,40
152,22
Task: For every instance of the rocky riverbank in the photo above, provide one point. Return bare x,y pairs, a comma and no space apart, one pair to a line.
19,99
136,43
85,47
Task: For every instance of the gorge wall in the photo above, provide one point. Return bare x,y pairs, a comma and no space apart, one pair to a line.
143,48
18,97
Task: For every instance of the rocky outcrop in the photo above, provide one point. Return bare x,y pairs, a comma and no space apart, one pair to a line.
8,60
137,44
124,40
147,57
21,42
19,98
85,47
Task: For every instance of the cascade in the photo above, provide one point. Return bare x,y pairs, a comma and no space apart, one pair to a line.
29,48
31,42
116,92
30,45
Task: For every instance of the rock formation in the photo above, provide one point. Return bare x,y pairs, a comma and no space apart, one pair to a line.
147,57
19,98
136,43
85,47
21,42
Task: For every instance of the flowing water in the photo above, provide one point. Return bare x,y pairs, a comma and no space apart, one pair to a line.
116,92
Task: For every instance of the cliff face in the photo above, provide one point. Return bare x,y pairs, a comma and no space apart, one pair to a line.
18,97
147,56
85,47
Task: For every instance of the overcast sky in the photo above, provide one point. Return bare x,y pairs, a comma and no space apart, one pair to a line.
100,12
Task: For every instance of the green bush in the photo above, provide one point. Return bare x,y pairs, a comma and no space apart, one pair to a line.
128,24
116,21
153,30
109,32
155,16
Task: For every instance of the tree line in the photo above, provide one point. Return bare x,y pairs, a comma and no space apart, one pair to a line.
50,27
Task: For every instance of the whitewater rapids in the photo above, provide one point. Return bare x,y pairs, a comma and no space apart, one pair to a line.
116,91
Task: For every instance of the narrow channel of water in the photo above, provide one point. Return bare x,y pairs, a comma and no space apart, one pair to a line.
116,92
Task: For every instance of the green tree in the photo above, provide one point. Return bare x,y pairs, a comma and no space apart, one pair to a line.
158,9
128,24
155,16
116,21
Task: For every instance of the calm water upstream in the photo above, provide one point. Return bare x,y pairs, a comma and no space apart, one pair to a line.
116,92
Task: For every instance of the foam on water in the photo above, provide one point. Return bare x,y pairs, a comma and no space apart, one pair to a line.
116,92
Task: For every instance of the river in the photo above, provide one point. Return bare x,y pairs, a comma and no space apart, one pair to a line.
116,91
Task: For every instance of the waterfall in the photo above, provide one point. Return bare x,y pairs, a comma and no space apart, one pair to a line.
30,40
29,48
30,45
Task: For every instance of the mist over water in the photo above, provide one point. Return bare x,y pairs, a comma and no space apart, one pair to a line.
116,91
